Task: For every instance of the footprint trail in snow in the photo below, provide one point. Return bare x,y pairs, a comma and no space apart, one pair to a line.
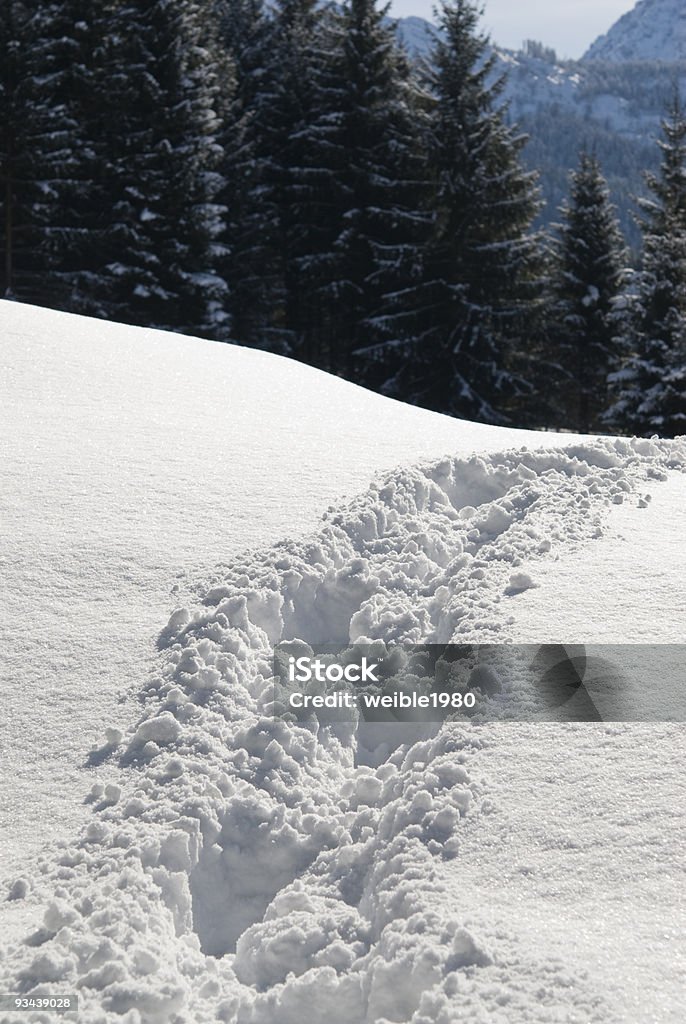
239,868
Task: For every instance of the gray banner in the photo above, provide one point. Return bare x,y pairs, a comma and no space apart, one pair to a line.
479,682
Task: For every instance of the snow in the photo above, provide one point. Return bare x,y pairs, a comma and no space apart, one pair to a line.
175,853
536,876
536,871
133,462
417,35
632,592
652,30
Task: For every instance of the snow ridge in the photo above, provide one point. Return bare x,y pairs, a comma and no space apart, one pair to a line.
239,868
652,30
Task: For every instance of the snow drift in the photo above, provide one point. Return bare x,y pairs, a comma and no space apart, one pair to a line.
237,868
132,463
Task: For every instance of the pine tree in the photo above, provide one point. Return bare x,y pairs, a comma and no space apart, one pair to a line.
281,171
71,74
252,264
320,200
306,140
315,163
161,92
13,18
42,148
108,160
458,334
650,386
588,262
381,187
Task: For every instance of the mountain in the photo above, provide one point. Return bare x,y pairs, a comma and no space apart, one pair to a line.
653,30
612,108
416,34
611,101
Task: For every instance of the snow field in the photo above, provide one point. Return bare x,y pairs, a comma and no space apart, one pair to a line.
240,868
131,462
631,589
578,865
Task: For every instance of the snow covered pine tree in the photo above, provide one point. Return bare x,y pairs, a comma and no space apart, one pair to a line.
43,152
382,216
458,328
650,385
308,150
251,260
587,273
162,96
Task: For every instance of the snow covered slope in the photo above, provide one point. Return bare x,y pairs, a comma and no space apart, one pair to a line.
133,462
212,863
652,30
417,35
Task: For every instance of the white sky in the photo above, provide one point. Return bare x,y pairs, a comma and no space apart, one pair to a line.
570,26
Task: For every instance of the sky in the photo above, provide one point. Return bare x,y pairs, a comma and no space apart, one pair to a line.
570,26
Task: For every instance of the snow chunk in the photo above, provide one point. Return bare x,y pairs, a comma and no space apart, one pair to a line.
497,520
113,737
519,582
486,679
59,915
468,952
112,793
161,729
19,889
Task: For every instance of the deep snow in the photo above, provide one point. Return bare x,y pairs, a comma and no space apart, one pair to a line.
577,872
132,463
634,590
227,866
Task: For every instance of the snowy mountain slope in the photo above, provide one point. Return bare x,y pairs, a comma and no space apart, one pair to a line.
653,30
230,866
613,109
132,462
611,101
416,34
